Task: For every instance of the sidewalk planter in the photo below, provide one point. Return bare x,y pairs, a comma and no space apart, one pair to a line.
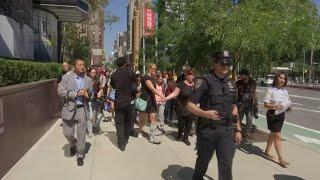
17,71
27,111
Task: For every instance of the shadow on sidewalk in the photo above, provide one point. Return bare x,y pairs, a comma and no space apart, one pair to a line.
112,135
255,150
171,135
286,177
178,172
66,149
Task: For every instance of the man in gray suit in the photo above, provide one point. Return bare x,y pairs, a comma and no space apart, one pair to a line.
75,89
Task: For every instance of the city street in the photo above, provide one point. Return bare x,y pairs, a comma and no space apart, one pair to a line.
302,124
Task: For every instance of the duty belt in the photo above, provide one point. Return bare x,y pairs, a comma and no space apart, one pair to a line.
214,124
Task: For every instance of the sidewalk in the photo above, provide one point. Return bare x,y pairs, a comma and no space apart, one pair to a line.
171,160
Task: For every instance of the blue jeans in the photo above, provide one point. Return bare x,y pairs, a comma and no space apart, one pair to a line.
95,115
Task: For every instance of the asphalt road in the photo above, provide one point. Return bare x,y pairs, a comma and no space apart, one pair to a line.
306,103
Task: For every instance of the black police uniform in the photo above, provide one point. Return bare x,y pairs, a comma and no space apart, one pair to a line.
214,93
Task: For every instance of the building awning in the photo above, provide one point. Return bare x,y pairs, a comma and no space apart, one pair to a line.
67,10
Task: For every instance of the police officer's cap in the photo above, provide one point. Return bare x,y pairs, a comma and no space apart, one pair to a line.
244,72
222,57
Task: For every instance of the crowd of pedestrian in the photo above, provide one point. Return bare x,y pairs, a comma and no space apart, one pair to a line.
212,103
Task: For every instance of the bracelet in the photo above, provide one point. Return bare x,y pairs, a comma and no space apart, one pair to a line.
238,131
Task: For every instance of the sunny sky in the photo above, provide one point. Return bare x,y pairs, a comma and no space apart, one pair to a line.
118,8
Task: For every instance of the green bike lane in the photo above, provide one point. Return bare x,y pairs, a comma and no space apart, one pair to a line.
298,134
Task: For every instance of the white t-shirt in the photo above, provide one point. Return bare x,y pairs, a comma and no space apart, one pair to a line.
278,96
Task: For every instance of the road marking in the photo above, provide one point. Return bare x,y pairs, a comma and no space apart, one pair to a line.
312,130
297,96
298,104
306,110
292,103
307,139
305,97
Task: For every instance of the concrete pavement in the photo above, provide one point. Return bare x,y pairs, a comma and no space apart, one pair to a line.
172,160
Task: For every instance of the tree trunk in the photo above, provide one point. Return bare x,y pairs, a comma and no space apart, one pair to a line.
237,57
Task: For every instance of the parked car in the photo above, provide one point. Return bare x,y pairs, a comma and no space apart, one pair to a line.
269,80
260,81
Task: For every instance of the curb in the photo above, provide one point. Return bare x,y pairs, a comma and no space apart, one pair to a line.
304,87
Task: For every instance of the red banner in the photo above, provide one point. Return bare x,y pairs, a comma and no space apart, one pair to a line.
149,22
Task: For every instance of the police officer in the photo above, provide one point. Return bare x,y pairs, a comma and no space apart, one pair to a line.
247,101
217,97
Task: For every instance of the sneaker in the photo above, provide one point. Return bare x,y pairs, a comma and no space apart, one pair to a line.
247,141
162,129
140,135
154,140
90,135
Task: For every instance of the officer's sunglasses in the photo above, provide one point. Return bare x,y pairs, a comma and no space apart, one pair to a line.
224,64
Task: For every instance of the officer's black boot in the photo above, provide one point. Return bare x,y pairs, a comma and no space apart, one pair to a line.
179,136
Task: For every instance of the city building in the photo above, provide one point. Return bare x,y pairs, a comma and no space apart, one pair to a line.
29,29
121,45
96,36
130,14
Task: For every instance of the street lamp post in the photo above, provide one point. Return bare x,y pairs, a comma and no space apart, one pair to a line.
310,71
304,61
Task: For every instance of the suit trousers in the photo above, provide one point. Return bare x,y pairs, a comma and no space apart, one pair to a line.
69,126
123,120
220,140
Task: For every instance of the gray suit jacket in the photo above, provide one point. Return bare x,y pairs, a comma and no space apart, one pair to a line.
67,90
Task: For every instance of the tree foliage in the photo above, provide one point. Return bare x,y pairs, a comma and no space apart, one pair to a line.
260,33
75,40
